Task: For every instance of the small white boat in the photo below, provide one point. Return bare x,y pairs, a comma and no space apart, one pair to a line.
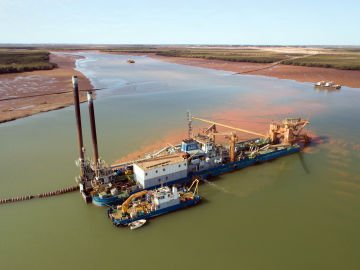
137,224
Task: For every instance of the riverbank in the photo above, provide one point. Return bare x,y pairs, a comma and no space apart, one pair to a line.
59,80
350,78
40,82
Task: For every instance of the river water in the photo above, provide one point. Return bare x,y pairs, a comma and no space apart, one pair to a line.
297,212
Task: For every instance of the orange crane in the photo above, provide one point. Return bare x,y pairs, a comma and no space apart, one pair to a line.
233,139
230,127
288,131
125,205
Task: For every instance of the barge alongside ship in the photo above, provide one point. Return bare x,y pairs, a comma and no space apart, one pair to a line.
153,203
197,157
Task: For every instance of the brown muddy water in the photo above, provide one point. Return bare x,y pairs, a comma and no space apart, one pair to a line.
297,212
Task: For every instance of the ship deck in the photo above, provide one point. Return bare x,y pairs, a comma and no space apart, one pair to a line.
160,161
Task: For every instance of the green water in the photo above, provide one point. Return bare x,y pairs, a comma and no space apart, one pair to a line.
298,212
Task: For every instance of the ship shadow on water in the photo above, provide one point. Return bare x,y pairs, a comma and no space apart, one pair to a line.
315,141
302,161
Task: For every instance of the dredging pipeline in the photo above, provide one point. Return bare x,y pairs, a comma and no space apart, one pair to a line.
40,195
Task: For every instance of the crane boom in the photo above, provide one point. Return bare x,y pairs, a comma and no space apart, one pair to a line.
230,127
302,127
125,205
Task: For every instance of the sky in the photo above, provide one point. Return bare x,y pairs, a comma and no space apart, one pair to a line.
261,22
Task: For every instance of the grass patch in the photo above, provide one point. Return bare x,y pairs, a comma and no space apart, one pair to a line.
12,61
234,55
338,60
26,58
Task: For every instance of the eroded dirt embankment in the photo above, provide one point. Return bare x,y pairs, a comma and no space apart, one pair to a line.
40,82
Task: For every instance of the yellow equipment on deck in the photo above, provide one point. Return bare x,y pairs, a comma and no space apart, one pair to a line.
125,205
188,194
196,183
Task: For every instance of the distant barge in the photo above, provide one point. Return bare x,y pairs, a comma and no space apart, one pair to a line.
327,85
197,157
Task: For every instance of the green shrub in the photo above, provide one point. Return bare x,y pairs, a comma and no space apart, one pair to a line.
12,61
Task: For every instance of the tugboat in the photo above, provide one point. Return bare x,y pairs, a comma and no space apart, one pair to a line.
147,204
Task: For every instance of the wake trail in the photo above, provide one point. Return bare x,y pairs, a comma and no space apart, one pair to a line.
222,189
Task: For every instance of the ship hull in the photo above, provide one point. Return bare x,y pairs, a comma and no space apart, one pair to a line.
211,172
103,202
327,87
225,168
159,212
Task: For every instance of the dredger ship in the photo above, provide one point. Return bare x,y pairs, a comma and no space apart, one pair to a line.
196,157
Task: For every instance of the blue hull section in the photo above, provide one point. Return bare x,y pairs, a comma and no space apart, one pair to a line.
155,213
225,168
107,201
221,169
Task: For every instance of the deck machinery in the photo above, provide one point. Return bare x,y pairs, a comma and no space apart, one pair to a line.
288,132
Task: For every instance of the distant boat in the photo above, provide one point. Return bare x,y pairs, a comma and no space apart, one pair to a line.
331,85
131,61
137,224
